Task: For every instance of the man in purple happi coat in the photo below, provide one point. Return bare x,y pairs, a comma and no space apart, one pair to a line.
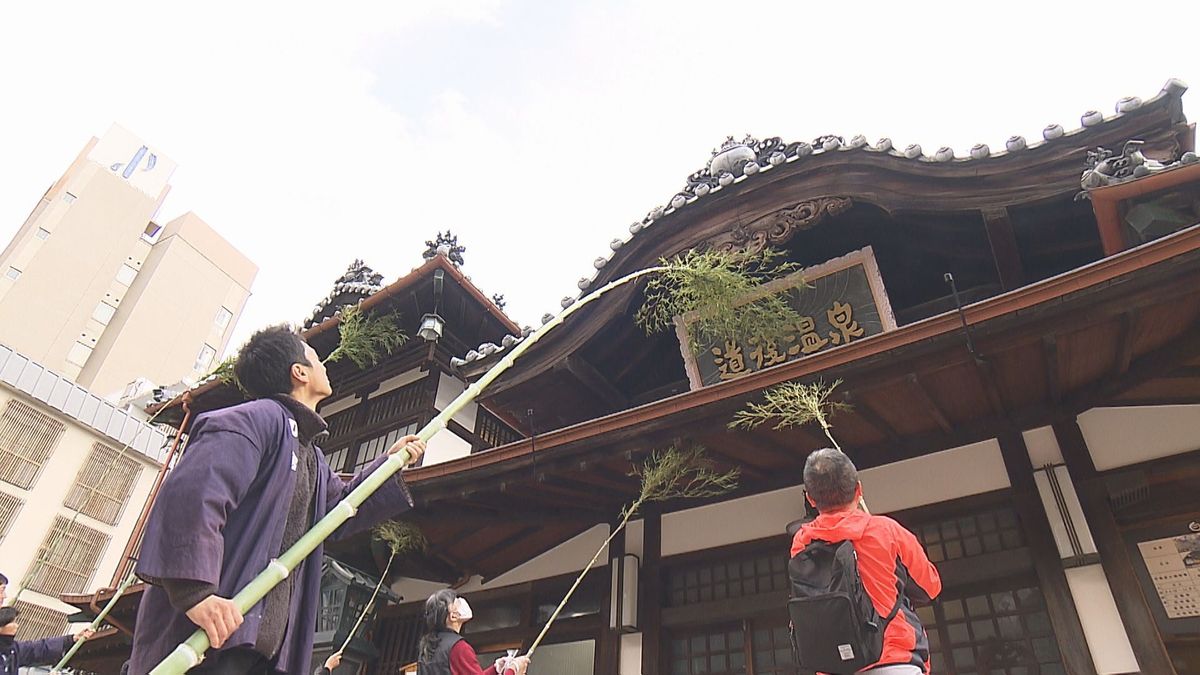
250,483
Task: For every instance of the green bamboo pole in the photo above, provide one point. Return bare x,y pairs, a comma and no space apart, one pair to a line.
62,663
189,653
579,579
367,608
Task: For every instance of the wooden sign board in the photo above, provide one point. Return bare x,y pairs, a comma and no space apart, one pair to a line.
839,301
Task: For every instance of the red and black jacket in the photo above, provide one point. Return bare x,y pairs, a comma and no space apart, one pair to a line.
890,561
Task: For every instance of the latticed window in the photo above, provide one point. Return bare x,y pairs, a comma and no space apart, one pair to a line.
37,622
712,651
369,450
988,531
731,578
10,506
104,484
68,558
27,439
1005,631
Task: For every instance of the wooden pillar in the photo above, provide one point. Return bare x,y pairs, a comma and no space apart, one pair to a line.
1060,605
1135,611
1005,252
650,598
608,650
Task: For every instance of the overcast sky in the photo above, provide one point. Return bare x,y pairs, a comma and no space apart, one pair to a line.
309,134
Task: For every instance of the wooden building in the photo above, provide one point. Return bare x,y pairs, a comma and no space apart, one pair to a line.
1036,422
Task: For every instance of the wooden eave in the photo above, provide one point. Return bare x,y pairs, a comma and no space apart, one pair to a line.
1122,329
215,394
883,179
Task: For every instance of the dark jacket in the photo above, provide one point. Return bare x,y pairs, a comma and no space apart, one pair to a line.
440,663
220,519
16,654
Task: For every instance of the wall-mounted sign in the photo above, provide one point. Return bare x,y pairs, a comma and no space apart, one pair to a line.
839,302
1174,566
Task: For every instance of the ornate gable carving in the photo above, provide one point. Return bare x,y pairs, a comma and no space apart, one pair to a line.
779,227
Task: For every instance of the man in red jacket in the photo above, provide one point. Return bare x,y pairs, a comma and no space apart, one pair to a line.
890,559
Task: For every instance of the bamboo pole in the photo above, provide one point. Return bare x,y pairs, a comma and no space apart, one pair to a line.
189,653
367,609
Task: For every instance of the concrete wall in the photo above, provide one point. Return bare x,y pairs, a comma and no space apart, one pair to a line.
44,501
170,311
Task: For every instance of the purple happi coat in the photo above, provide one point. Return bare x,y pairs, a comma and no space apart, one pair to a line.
220,518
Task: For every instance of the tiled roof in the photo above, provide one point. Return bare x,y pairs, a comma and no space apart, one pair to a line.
35,380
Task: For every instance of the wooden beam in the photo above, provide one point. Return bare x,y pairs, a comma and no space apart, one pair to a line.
1053,379
1125,341
1132,605
591,378
1060,604
1150,366
923,397
650,600
987,378
1005,253
499,546
748,469
861,408
752,443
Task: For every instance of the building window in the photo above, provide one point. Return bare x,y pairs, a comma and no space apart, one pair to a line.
68,556
715,651
42,233
27,439
368,451
79,354
37,622
104,313
13,273
68,197
222,319
987,531
104,484
10,506
126,274
151,232
204,359
724,580
1006,630
337,458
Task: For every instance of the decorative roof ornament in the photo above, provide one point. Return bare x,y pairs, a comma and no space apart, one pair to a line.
445,244
355,285
1105,167
499,301
780,226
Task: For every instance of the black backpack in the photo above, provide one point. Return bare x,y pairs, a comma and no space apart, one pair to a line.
835,628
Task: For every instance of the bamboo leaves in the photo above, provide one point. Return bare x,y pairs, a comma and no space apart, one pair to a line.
366,339
793,404
679,474
723,291
666,474
400,537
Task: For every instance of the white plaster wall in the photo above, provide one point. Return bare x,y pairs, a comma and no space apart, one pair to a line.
631,654
448,389
337,406
444,447
942,476
1122,436
1102,627
397,381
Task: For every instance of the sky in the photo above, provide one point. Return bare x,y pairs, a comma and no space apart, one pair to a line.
310,134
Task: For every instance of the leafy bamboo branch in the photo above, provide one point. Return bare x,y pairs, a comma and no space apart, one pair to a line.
667,474
400,537
365,339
